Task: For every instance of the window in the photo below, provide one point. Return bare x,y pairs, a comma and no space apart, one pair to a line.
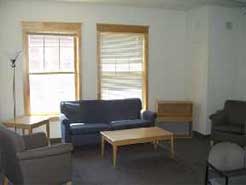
122,62
52,67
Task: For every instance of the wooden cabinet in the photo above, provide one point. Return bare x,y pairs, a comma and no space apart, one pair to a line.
180,112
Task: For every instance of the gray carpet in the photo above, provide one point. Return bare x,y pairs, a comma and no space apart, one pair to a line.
142,165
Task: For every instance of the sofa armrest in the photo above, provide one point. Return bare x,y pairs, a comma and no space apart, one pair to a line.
218,117
45,152
65,129
149,115
36,140
64,120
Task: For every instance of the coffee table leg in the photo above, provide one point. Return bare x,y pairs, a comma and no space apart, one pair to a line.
29,131
114,155
102,145
172,146
155,145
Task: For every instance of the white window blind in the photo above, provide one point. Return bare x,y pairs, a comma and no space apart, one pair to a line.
51,72
121,65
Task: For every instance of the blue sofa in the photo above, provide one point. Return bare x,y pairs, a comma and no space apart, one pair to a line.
82,121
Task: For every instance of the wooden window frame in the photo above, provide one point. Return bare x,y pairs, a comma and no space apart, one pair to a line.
51,28
118,28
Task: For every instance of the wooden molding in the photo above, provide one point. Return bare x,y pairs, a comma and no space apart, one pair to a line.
98,66
146,74
51,28
122,28
125,29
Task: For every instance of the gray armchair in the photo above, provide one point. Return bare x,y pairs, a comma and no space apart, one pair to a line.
229,124
29,160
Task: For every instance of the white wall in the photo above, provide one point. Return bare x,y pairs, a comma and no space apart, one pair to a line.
241,77
169,64
198,24
217,56
224,56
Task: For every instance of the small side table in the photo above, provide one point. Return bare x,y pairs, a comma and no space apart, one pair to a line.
29,123
176,112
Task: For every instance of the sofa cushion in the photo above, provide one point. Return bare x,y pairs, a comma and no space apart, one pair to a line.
229,128
85,128
235,111
127,124
125,109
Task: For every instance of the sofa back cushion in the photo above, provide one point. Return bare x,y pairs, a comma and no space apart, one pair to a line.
101,111
125,109
235,111
71,109
94,111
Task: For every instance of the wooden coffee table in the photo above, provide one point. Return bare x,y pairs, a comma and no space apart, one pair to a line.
134,136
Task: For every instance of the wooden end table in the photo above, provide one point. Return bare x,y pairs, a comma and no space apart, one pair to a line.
134,136
29,123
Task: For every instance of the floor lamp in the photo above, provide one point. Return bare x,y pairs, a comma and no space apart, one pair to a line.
13,66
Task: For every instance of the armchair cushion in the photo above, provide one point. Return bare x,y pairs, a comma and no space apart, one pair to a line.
36,140
229,128
235,112
45,151
127,124
83,128
218,118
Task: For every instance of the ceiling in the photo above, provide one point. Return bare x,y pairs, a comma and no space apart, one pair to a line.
173,4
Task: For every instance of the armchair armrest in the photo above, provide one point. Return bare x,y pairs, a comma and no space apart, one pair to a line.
218,117
149,115
45,152
36,140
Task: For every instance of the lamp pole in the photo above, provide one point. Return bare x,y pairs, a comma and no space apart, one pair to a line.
13,66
